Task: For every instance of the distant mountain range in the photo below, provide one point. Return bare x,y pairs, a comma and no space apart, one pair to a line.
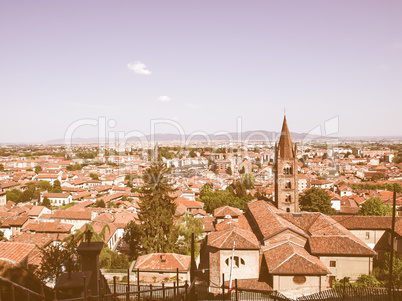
219,136
254,136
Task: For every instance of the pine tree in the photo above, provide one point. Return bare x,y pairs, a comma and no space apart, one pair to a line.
154,231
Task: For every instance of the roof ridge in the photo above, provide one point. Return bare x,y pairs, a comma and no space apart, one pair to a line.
177,259
287,259
229,232
308,258
243,236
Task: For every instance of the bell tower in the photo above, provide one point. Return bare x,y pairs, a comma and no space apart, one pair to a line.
286,191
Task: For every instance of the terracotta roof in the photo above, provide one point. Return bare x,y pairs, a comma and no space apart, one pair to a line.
289,258
338,245
227,210
35,210
227,224
224,239
365,222
268,221
66,214
15,221
163,261
209,223
189,203
16,252
56,195
38,239
55,227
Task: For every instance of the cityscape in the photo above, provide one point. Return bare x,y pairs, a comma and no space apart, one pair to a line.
201,151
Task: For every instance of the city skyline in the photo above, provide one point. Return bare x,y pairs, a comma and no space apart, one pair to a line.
201,65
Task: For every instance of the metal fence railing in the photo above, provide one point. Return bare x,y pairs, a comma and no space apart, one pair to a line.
354,294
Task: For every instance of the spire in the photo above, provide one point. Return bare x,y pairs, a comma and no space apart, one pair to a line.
285,146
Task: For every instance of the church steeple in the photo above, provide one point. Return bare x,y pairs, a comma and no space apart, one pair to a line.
285,147
286,189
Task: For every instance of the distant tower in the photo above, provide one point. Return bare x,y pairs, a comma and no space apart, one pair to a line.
286,191
155,153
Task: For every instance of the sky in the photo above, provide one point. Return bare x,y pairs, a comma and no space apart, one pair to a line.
199,66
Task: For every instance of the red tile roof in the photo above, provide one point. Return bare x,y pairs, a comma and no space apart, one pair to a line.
163,261
289,258
224,239
227,210
16,252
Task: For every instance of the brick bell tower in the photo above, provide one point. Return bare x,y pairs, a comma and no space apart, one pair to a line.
285,168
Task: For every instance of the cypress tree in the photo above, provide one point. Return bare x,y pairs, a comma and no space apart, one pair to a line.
154,231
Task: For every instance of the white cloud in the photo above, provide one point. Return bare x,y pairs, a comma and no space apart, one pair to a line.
164,98
139,68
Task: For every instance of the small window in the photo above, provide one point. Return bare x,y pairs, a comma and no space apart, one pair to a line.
332,263
367,235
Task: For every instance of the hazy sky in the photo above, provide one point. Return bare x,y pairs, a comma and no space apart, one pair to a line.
201,64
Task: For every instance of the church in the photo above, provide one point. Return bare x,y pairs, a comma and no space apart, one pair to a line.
278,247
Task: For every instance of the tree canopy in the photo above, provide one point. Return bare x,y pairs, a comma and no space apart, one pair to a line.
316,200
154,231
375,206
234,195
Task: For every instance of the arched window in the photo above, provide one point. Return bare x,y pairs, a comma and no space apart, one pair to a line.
237,261
288,185
288,198
287,169
287,209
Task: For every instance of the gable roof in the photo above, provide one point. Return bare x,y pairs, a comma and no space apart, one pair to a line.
227,210
289,258
268,221
163,261
327,236
224,239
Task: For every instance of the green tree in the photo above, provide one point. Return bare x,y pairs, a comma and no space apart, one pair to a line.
44,185
248,180
37,169
375,206
155,228
316,200
100,203
78,236
74,167
94,176
188,226
53,257
382,271
46,202
235,195
56,187
14,195
1,167
2,234
109,259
